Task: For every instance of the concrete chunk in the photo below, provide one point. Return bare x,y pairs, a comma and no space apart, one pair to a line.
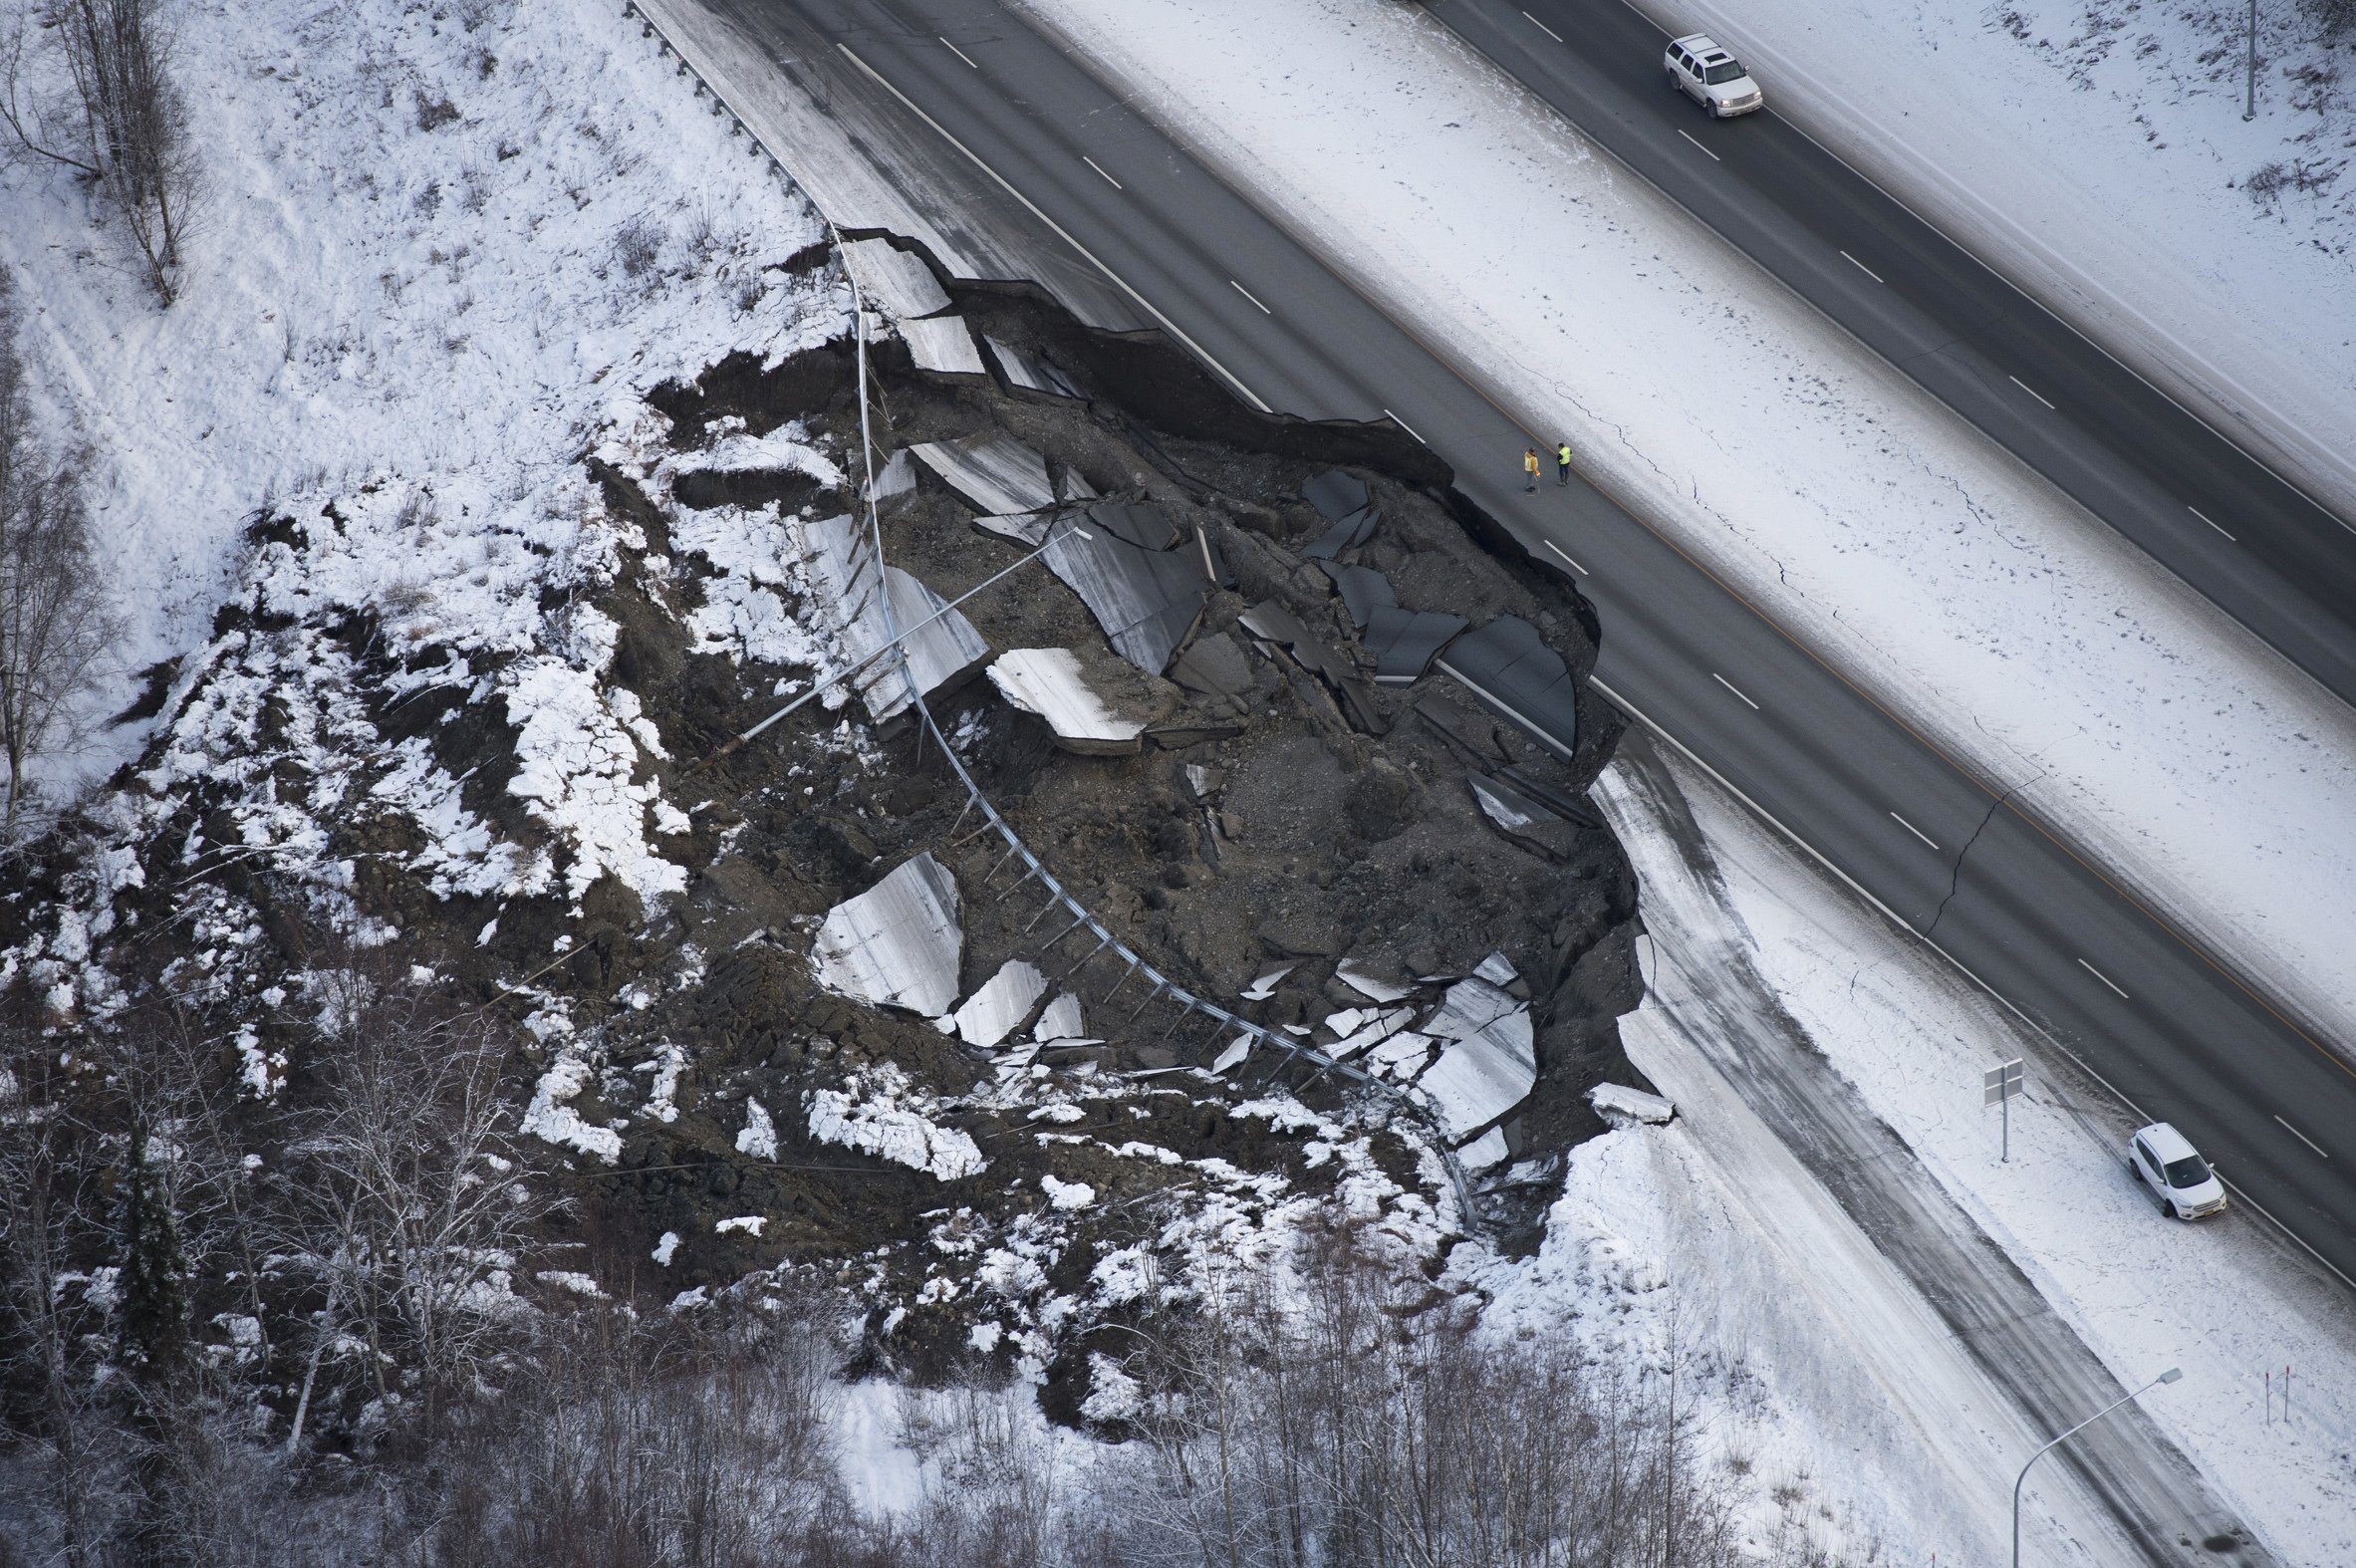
943,346
897,944
894,278
996,1010
995,473
939,652
1623,1107
1510,669
1049,681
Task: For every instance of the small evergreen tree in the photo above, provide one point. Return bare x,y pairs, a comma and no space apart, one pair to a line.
154,1282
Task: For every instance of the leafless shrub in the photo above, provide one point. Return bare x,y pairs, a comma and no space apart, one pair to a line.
2304,175
52,1322
638,245
703,239
2337,18
118,118
1370,1424
435,112
995,1500
54,625
474,15
653,1442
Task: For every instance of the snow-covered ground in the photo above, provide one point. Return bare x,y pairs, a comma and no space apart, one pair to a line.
426,327
2227,1301
1967,595
438,244
2211,254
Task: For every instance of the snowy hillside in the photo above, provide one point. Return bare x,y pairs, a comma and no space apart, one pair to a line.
438,244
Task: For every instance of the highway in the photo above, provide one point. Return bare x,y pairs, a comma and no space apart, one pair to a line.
2235,532
2164,1025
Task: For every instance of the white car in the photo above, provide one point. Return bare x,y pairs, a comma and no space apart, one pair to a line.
2162,1159
1711,77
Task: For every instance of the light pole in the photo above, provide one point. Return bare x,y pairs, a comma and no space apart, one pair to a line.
2250,104
2170,1376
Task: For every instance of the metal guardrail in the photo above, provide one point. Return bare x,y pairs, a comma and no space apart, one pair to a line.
1163,987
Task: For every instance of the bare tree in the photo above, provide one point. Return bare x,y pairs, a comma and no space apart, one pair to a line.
410,1203
1339,1411
54,625
2337,16
642,1442
53,1302
118,120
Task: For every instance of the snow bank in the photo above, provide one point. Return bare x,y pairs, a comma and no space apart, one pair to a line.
550,1118
2224,1300
757,1139
871,1117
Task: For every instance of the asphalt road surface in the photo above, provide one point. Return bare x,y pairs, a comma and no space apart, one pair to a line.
2163,1024
2232,529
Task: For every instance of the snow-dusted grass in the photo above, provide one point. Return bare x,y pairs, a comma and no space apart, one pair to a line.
2095,150
1964,593
441,241
2226,1300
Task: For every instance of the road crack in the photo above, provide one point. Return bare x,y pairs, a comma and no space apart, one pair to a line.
1956,878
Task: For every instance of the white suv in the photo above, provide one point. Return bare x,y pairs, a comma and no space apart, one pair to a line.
2163,1158
1711,77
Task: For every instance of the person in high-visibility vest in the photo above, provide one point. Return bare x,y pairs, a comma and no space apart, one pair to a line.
1562,462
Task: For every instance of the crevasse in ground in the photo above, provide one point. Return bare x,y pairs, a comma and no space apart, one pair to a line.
1967,595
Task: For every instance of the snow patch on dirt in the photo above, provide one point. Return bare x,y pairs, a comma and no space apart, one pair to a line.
881,1114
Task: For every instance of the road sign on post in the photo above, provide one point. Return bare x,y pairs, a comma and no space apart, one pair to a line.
1997,1087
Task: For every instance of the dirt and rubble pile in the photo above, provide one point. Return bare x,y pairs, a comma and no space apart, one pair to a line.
348,774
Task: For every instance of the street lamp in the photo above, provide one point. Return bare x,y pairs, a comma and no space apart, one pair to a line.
2170,1376
2250,104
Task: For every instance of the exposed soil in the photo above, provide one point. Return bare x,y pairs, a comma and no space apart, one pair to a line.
1327,834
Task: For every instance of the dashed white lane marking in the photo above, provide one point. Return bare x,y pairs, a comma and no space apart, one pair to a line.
1576,567
1246,293
1544,28
1861,266
2212,522
1060,233
1100,169
2098,975
2301,1136
1730,687
959,53
2027,388
1714,158
1911,828
1411,430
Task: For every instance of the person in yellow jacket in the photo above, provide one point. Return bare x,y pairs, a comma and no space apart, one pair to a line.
1529,468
